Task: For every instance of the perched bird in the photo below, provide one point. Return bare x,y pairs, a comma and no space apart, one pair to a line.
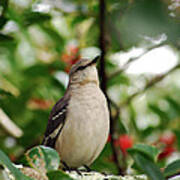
78,125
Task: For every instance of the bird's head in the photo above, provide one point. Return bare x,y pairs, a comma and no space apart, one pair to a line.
84,71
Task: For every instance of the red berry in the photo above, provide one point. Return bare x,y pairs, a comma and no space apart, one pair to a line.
70,57
109,138
125,142
36,103
168,139
73,49
65,58
167,151
67,69
12,157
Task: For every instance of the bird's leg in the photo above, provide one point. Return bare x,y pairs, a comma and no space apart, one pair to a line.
88,169
78,172
104,173
67,168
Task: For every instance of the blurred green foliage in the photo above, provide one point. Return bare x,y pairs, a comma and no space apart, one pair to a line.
39,40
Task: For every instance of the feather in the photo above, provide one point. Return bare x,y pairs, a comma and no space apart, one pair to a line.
56,121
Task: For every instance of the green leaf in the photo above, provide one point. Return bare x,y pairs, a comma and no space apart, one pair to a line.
5,161
35,17
37,70
172,169
56,175
118,79
43,158
175,105
147,166
150,151
121,126
133,117
3,92
57,39
146,132
3,19
177,132
164,116
5,38
4,3
78,19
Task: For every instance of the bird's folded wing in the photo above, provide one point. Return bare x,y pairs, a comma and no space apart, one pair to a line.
56,121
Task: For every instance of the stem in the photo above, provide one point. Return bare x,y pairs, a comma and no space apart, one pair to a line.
102,73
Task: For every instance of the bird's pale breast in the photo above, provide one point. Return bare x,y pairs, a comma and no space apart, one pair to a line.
86,128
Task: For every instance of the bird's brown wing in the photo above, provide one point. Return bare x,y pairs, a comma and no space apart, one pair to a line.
56,121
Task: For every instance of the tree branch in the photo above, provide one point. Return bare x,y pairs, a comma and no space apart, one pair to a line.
150,84
103,76
113,120
102,45
125,66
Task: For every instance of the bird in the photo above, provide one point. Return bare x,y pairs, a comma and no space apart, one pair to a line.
78,125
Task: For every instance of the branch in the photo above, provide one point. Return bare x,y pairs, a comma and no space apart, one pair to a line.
150,84
102,72
102,44
125,66
113,120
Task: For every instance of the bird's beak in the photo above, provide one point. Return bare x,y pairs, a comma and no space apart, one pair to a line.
94,61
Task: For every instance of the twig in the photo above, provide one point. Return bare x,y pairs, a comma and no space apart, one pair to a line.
125,66
113,120
151,83
102,44
103,76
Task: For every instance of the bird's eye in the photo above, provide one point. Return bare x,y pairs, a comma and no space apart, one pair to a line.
81,68
87,65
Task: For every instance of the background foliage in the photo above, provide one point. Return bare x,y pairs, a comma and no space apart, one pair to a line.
41,39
